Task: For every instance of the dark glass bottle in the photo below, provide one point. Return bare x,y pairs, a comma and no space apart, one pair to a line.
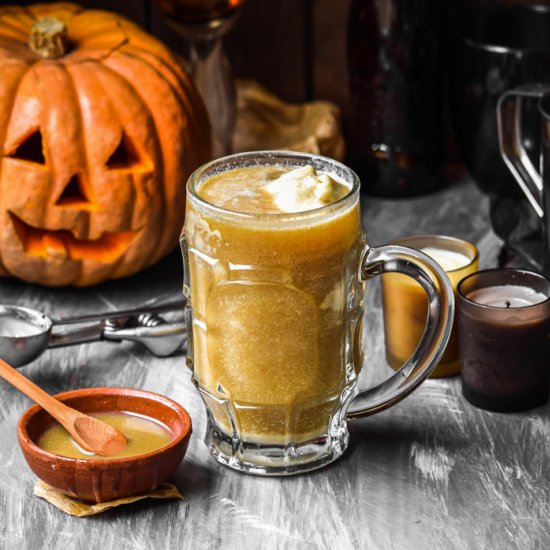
395,124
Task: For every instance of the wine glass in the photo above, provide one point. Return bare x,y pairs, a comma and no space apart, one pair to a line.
202,24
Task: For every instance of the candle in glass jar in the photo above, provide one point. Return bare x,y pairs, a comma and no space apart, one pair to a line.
405,303
504,329
507,296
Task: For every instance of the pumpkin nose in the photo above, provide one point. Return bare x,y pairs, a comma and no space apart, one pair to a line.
75,194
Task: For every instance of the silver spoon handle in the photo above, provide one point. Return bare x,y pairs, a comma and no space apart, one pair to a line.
79,335
143,326
175,305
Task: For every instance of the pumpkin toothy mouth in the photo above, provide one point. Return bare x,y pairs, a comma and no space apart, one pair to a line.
63,245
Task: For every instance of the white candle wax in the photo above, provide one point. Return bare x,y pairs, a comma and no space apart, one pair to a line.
449,260
507,296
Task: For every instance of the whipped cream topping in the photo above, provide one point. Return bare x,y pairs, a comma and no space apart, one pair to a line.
303,189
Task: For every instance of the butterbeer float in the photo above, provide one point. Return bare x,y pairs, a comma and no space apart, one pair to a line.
275,265
291,323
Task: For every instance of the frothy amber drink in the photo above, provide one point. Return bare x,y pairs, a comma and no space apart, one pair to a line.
268,297
275,261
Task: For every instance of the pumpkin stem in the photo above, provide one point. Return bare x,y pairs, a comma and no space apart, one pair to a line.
48,37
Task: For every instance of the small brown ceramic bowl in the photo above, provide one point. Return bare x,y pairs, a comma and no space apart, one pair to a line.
100,480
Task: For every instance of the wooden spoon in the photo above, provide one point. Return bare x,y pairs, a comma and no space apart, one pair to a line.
90,433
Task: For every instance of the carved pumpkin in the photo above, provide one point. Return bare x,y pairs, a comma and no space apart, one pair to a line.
99,129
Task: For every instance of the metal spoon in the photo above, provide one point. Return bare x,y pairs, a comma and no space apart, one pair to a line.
26,333
90,433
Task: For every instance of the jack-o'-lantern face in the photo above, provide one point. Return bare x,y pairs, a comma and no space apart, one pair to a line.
96,151
70,202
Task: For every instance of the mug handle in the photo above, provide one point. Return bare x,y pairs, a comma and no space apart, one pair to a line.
425,271
509,124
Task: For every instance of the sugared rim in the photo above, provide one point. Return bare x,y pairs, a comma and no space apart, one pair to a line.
240,160
106,462
481,272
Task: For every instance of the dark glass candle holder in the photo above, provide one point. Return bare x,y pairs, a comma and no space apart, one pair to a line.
504,328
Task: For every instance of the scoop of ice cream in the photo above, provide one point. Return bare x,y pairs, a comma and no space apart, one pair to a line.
303,189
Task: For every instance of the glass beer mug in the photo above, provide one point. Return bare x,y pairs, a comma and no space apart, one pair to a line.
514,131
275,309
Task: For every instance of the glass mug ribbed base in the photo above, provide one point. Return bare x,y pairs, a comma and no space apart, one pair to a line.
275,309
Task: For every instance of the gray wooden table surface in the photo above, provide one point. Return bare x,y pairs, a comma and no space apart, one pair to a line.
432,472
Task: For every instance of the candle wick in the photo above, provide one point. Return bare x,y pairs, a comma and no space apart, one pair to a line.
507,304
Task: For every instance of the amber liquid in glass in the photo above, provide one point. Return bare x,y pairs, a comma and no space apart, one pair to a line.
199,11
273,323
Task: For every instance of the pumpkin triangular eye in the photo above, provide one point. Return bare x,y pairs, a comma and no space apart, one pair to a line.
124,156
75,195
30,149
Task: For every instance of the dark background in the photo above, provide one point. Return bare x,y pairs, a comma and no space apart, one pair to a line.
299,45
